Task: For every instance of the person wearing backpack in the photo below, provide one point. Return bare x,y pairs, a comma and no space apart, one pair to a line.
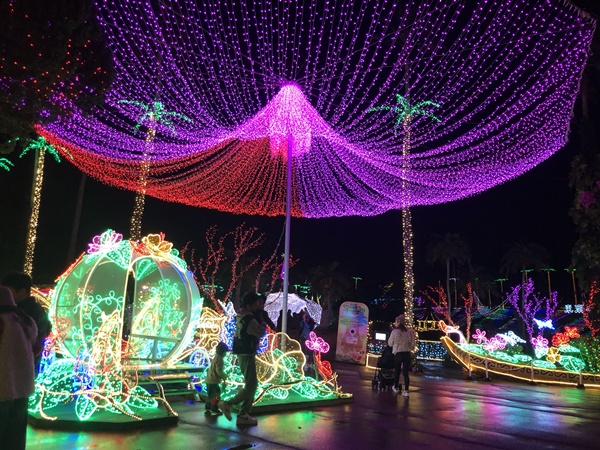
245,343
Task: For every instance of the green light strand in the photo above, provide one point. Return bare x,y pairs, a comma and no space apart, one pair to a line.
6,164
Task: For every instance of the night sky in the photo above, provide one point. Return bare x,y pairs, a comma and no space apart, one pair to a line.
533,208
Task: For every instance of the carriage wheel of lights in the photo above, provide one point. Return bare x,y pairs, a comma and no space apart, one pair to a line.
122,306
278,97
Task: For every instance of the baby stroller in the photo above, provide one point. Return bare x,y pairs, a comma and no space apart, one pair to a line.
384,373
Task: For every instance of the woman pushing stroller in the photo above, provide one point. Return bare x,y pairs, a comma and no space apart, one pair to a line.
402,341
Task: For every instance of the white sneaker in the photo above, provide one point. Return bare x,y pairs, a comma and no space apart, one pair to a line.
395,389
246,419
225,409
405,393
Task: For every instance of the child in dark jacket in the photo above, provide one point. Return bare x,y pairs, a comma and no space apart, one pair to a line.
216,374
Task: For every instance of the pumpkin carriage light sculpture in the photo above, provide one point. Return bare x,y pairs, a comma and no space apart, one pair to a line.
122,306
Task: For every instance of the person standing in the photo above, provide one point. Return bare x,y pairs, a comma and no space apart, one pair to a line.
18,334
307,324
20,284
262,316
245,343
402,341
216,374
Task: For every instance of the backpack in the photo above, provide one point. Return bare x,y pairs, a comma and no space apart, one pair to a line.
243,342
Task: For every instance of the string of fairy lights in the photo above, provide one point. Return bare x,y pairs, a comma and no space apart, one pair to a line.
140,194
36,194
39,146
505,76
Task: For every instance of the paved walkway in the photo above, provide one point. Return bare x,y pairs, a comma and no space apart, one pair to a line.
443,412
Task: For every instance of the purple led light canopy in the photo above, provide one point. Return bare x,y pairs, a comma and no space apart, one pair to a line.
241,79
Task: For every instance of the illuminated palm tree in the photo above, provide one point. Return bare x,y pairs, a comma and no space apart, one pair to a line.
404,114
405,111
151,114
40,146
548,270
155,112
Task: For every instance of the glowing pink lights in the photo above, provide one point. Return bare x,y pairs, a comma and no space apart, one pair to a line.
316,344
251,77
105,242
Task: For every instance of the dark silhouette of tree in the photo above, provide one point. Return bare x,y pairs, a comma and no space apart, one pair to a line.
331,284
448,249
584,178
489,289
520,257
51,56
482,283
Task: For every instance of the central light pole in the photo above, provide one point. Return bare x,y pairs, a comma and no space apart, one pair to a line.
288,219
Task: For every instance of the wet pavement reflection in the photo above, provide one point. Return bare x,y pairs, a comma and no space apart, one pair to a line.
443,411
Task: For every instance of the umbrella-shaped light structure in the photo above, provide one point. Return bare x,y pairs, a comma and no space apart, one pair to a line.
295,304
264,84
505,75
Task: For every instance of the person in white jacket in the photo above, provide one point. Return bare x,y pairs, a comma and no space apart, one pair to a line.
18,334
402,341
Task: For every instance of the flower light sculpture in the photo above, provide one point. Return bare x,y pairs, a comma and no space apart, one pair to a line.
280,373
505,347
319,346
